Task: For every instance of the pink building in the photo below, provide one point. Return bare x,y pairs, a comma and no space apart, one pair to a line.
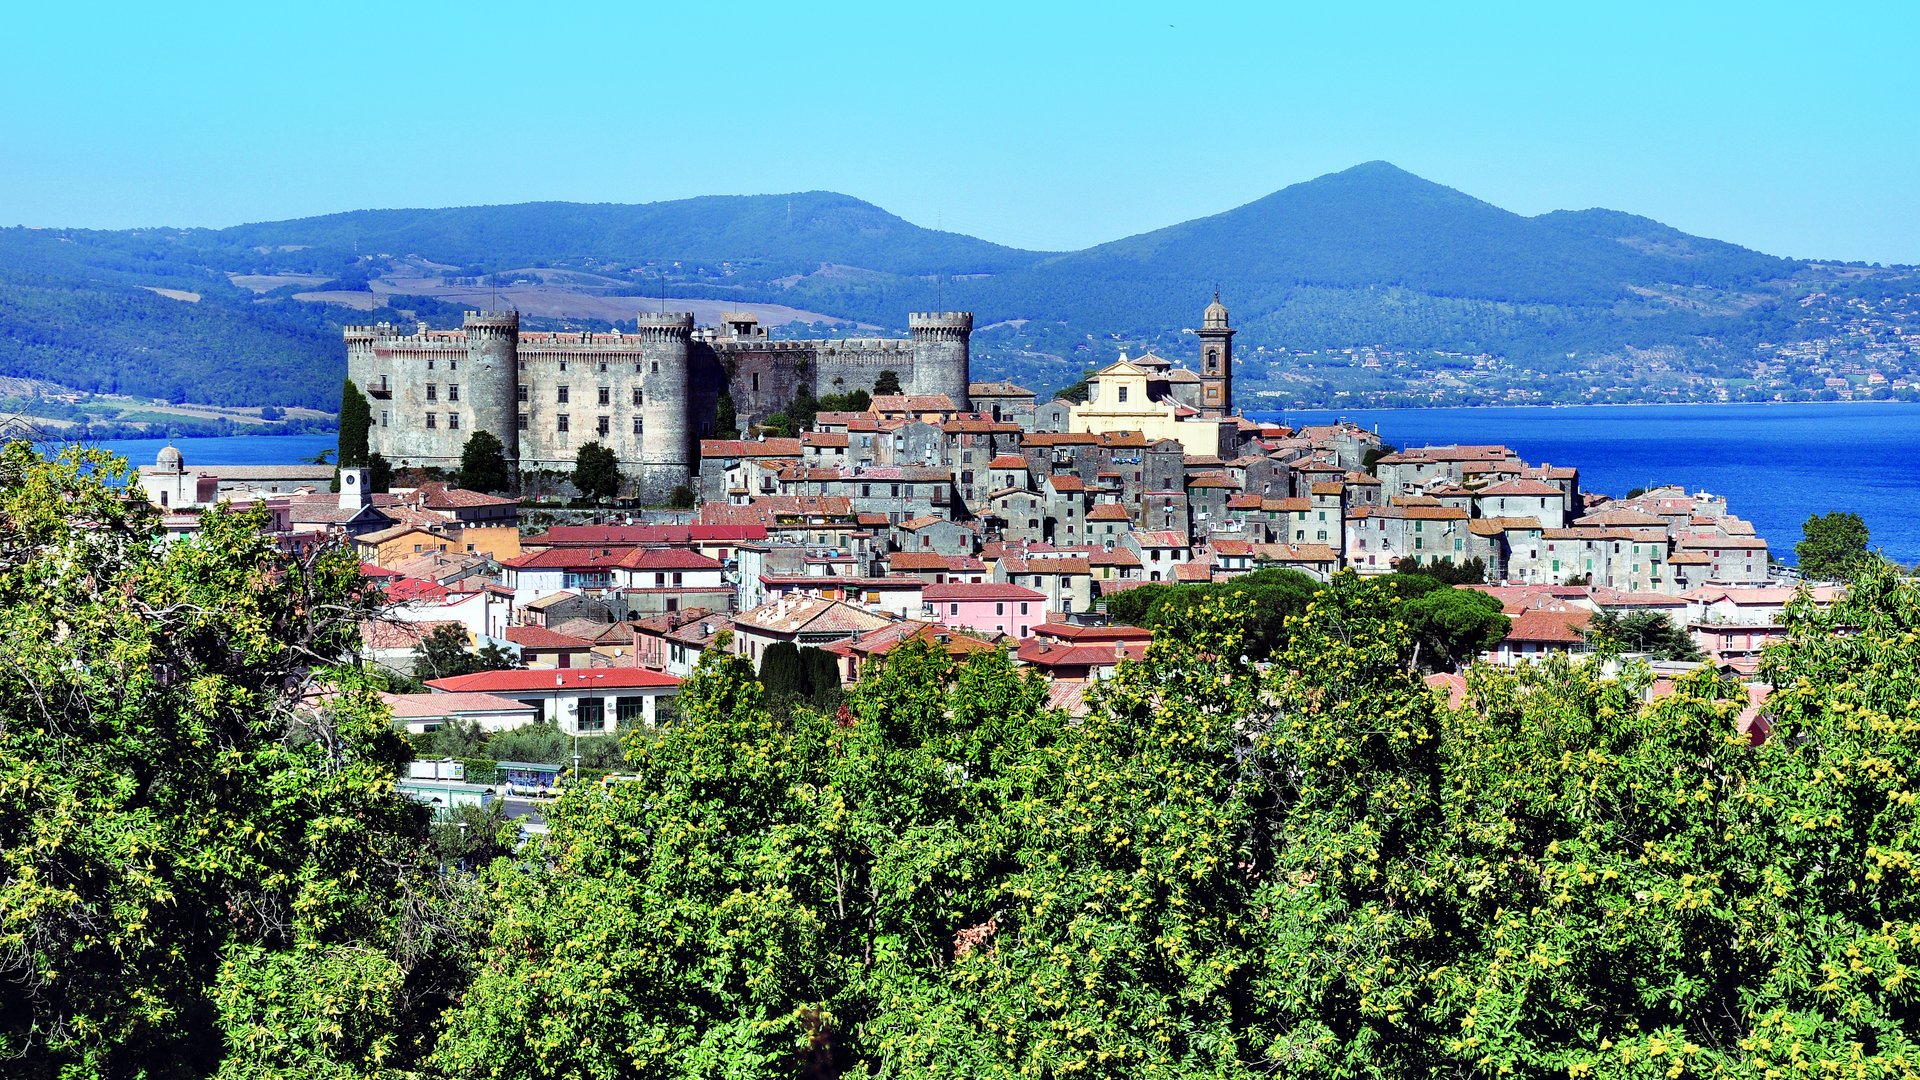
989,607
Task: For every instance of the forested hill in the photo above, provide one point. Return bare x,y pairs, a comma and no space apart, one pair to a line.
1368,286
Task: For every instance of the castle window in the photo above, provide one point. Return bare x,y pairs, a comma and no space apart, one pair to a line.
603,367
562,418
433,392
521,392
639,398
453,391
606,395
656,367
563,365
429,363
430,421
603,426
520,422
755,380
453,365
453,421
562,388
636,425
638,367
383,418
523,365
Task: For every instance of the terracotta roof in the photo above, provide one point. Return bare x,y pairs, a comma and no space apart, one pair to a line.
1300,553
1522,486
928,560
1551,627
1329,487
539,637
1042,653
667,558
417,706
560,680
1008,461
997,389
461,499
987,590
391,634
749,448
793,614
1109,512
569,558
629,535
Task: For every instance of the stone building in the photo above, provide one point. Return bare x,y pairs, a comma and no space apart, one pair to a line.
648,395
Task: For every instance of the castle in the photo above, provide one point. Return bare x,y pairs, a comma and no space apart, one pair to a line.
649,396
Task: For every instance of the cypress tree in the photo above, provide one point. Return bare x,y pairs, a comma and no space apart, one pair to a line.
781,673
356,421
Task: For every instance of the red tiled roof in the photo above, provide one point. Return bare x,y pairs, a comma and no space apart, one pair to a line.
562,679
985,590
539,637
667,558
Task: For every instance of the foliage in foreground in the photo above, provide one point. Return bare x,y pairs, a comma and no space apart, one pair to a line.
1312,870
203,863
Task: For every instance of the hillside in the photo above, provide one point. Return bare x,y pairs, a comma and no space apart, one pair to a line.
1370,285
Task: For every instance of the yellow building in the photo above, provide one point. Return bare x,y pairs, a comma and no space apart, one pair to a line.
1120,398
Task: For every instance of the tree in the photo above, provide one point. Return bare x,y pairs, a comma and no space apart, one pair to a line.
1451,627
821,675
379,472
443,654
470,836
202,855
356,426
1834,546
1649,632
596,472
726,422
1471,572
483,463
781,672
888,382
681,498
1370,461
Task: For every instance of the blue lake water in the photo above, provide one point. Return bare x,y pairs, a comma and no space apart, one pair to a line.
1776,464
228,449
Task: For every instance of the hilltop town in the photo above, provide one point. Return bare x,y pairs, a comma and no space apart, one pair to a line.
1008,523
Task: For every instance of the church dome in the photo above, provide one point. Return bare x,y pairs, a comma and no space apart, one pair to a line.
1216,315
171,460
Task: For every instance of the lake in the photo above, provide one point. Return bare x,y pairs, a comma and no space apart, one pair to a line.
1776,464
228,449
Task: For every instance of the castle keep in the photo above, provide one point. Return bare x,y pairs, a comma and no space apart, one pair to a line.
649,396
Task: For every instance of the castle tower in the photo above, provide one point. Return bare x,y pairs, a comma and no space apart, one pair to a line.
666,444
488,382
942,354
1216,361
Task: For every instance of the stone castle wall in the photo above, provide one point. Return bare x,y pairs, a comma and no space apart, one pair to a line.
649,395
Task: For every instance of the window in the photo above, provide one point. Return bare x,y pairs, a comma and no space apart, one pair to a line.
521,392
953,609
1023,607
563,392
562,419
453,391
654,367
603,367
453,365
603,426
999,609
639,398
629,711
606,395
520,422
523,365
636,425
593,714
563,365
430,421
753,380
1122,397
433,392
453,421
383,418
429,363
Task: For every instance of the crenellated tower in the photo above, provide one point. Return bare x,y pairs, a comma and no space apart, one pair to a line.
666,438
1216,361
942,353
493,347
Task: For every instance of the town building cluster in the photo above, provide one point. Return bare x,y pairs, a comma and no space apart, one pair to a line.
999,521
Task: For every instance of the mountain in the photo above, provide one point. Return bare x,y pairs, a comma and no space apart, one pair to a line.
1367,286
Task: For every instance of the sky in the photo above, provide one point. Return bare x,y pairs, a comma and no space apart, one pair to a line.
1790,128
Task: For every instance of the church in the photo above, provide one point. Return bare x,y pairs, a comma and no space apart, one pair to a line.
1150,395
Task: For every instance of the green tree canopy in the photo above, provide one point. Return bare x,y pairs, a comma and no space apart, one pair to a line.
483,464
356,424
1451,627
201,848
887,383
596,472
1834,546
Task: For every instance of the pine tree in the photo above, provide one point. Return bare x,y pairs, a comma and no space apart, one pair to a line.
887,383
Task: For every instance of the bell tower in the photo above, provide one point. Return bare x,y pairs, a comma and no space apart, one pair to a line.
1216,361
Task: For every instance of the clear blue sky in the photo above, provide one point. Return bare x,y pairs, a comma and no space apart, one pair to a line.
1790,127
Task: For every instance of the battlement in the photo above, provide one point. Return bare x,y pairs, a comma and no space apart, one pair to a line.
492,320
665,320
940,320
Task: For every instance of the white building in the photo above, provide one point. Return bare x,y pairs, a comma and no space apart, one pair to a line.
582,701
